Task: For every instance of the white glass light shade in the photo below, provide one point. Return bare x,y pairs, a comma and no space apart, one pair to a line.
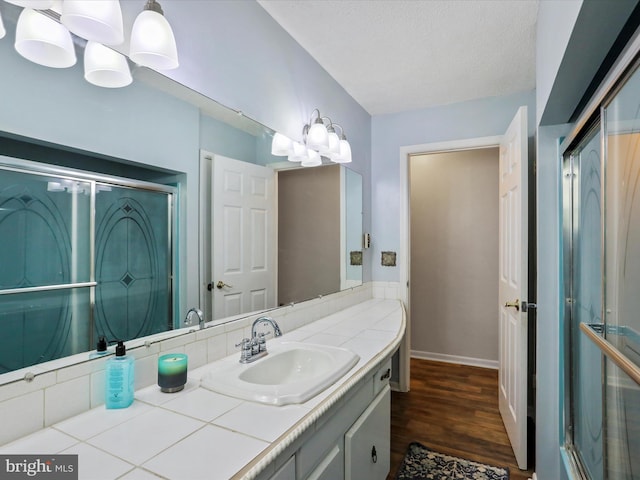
313,159
3,32
43,40
299,153
105,67
37,4
345,153
152,42
318,137
281,145
334,145
97,20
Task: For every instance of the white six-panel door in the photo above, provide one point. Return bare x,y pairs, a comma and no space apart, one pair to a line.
244,237
512,289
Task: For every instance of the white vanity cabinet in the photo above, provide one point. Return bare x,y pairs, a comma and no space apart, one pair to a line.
339,444
368,441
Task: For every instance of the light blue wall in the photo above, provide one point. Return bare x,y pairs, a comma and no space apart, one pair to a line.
472,119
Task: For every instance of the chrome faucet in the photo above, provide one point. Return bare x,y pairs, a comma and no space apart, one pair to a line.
256,347
276,328
198,312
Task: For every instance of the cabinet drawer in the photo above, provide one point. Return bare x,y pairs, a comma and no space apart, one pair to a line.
368,441
382,376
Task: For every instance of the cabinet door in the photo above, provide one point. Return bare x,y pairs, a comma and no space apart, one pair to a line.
287,471
368,441
331,467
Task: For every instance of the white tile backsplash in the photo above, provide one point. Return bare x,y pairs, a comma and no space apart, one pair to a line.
21,416
64,400
197,353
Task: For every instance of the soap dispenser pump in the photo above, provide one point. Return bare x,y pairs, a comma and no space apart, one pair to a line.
119,376
101,348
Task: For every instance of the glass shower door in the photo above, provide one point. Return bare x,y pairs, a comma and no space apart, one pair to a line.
585,429
622,285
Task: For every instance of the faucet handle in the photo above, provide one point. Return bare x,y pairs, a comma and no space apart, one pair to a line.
245,353
245,344
262,342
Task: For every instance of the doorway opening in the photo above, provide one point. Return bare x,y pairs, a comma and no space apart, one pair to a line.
454,256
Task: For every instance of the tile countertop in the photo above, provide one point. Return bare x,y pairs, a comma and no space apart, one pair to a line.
197,433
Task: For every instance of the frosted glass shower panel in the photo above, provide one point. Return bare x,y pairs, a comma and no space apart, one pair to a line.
44,222
42,326
133,262
586,307
622,220
623,425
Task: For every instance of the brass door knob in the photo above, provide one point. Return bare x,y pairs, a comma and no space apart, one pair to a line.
221,285
515,304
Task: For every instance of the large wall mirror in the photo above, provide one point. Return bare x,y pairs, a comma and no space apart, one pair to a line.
53,120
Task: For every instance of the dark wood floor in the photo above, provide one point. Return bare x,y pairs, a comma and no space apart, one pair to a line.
452,409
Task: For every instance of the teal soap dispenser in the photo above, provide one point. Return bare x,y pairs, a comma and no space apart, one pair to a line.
119,376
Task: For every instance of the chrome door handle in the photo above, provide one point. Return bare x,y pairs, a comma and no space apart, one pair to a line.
515,304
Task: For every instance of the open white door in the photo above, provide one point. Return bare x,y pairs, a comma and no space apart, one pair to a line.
512,294
243,236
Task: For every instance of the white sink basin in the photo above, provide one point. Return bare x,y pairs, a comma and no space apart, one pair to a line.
292,372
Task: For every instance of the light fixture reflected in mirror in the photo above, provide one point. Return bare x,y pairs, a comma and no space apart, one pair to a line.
298,152
3,32
44,41
281,145
152,42
313,159
36,4
100,21
105,67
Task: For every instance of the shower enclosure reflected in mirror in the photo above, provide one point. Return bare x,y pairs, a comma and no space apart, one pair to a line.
56,118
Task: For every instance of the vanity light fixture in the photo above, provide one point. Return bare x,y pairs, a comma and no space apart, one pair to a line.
317,146
152,42
99,21
105,67
44,41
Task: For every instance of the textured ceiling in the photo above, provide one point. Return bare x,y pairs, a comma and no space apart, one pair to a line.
397,55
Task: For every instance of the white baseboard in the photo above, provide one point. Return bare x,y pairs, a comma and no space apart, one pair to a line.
442,357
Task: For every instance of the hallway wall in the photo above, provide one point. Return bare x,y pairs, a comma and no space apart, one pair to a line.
454,256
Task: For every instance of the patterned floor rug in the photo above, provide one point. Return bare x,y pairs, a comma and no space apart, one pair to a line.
420,463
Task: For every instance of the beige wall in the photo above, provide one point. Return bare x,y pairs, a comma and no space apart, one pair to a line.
308,233
454,254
